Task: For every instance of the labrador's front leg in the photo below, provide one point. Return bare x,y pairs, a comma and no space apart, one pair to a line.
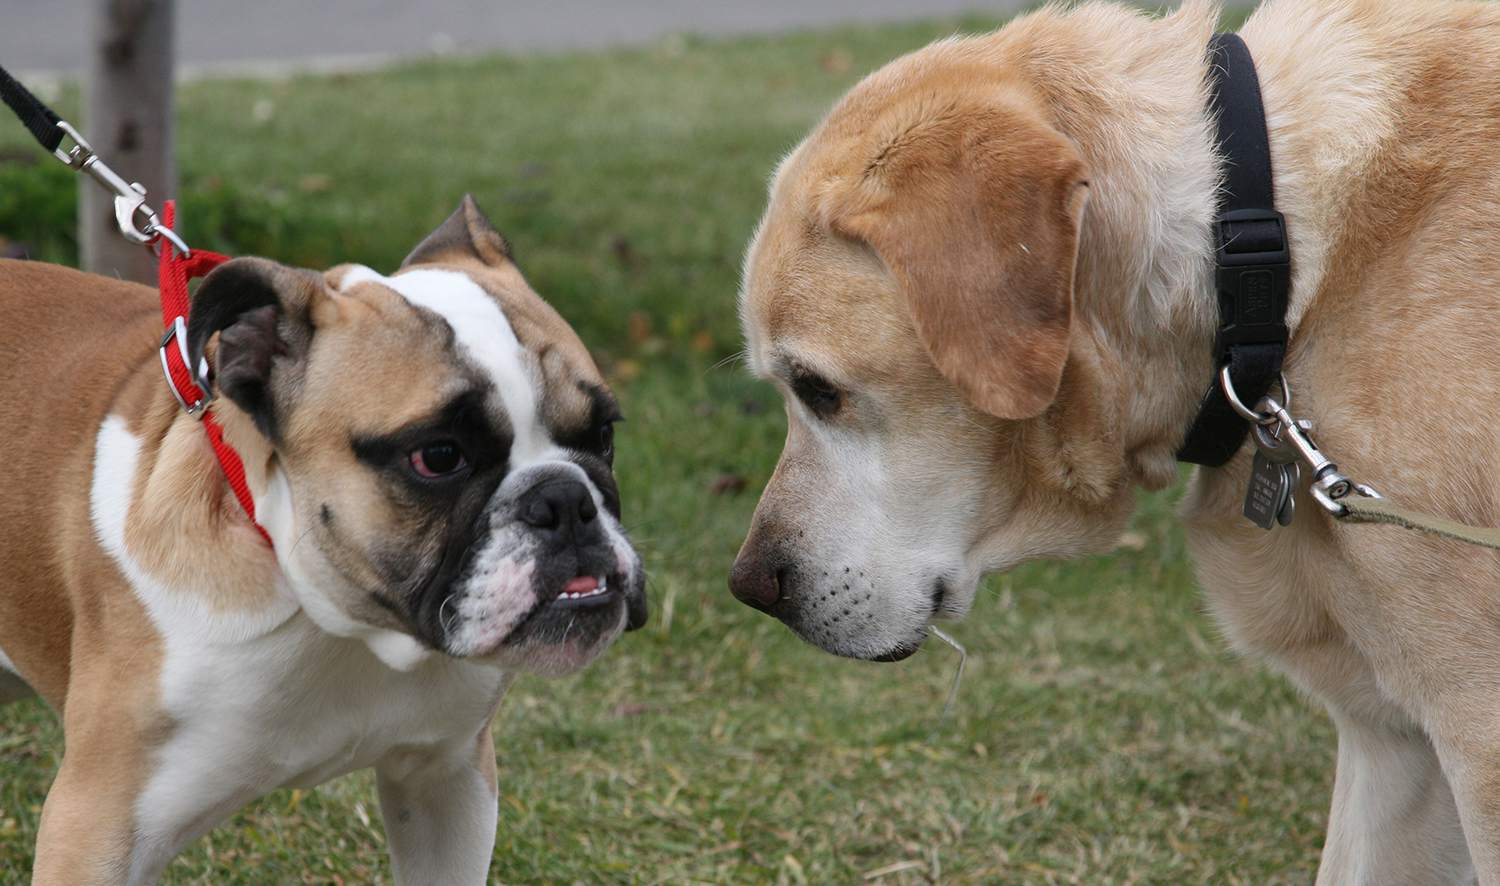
440,810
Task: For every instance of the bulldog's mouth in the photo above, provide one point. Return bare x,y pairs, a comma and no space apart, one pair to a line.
579,611
585,592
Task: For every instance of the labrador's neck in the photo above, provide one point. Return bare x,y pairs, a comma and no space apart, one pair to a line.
1144,291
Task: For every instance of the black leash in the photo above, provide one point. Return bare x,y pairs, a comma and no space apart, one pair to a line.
137,222
1253,274
39,118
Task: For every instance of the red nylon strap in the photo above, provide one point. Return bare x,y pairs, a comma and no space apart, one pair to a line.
173,274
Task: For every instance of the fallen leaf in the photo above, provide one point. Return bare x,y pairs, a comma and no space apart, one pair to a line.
836,61
728,484
619,244
638,326
315,183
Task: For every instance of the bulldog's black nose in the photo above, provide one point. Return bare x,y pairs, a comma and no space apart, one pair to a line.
561,507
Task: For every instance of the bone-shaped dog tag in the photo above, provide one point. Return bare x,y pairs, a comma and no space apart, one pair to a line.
1269,491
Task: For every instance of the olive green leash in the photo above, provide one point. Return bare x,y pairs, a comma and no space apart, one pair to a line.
1358,509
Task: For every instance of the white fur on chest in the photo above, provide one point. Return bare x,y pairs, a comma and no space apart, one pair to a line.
265,699
293,709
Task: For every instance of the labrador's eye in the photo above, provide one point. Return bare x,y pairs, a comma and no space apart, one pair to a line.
439,459
817,393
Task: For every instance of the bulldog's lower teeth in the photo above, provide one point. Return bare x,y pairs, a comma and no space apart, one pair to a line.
579,595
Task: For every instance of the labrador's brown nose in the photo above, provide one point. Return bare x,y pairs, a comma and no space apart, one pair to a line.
755,580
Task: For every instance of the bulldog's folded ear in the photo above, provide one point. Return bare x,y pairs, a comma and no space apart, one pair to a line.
261,311
466,235
977,212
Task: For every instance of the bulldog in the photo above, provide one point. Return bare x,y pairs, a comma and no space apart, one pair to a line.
985,286
430,455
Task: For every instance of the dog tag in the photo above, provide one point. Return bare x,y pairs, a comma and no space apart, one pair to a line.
1288,509
1269,491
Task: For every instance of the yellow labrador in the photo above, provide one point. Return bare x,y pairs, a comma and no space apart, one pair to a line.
984,284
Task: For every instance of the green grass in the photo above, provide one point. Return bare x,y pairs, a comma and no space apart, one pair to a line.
1102,734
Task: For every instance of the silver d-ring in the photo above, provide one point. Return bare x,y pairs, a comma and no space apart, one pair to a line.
1248,414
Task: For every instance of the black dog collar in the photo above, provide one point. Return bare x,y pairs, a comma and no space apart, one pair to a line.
1253,274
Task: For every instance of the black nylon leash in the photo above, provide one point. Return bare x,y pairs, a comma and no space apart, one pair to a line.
137,222
37,117
1252,277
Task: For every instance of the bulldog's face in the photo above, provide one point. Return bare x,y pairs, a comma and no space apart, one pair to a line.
442,444
909,291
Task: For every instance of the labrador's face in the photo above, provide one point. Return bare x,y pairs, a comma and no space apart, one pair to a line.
909,291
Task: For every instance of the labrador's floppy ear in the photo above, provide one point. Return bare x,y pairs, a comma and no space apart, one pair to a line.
977,214
261,310
467,234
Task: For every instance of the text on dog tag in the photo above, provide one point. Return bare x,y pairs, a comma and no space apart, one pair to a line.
1268,493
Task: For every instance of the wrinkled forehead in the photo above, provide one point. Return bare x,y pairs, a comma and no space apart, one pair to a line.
501,332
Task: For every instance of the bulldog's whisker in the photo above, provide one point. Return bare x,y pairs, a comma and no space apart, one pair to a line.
442,619
737,357
305,533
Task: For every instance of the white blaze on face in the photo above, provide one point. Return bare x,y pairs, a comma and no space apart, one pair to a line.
485,337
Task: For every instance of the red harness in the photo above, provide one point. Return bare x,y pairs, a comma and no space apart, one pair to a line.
190,387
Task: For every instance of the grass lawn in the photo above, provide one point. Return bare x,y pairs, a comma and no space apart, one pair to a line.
1103,734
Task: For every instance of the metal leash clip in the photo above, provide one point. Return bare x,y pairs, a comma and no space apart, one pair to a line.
1284,447
130,197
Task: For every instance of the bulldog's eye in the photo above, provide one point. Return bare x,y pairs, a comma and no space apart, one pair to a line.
606,442
817,393
438,459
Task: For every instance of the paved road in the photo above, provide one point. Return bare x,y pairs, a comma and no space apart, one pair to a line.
51,36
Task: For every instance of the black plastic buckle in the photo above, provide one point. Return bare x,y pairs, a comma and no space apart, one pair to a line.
1252,279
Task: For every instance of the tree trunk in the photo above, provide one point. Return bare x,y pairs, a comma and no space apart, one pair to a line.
129,122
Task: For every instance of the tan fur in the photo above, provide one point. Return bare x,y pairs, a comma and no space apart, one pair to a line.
1015,293
1384,117
92,657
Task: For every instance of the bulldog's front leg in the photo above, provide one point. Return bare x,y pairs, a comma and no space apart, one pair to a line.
440,809
86,835
90,829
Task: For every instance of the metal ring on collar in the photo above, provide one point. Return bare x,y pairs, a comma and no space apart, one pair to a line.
1245,412
157,230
